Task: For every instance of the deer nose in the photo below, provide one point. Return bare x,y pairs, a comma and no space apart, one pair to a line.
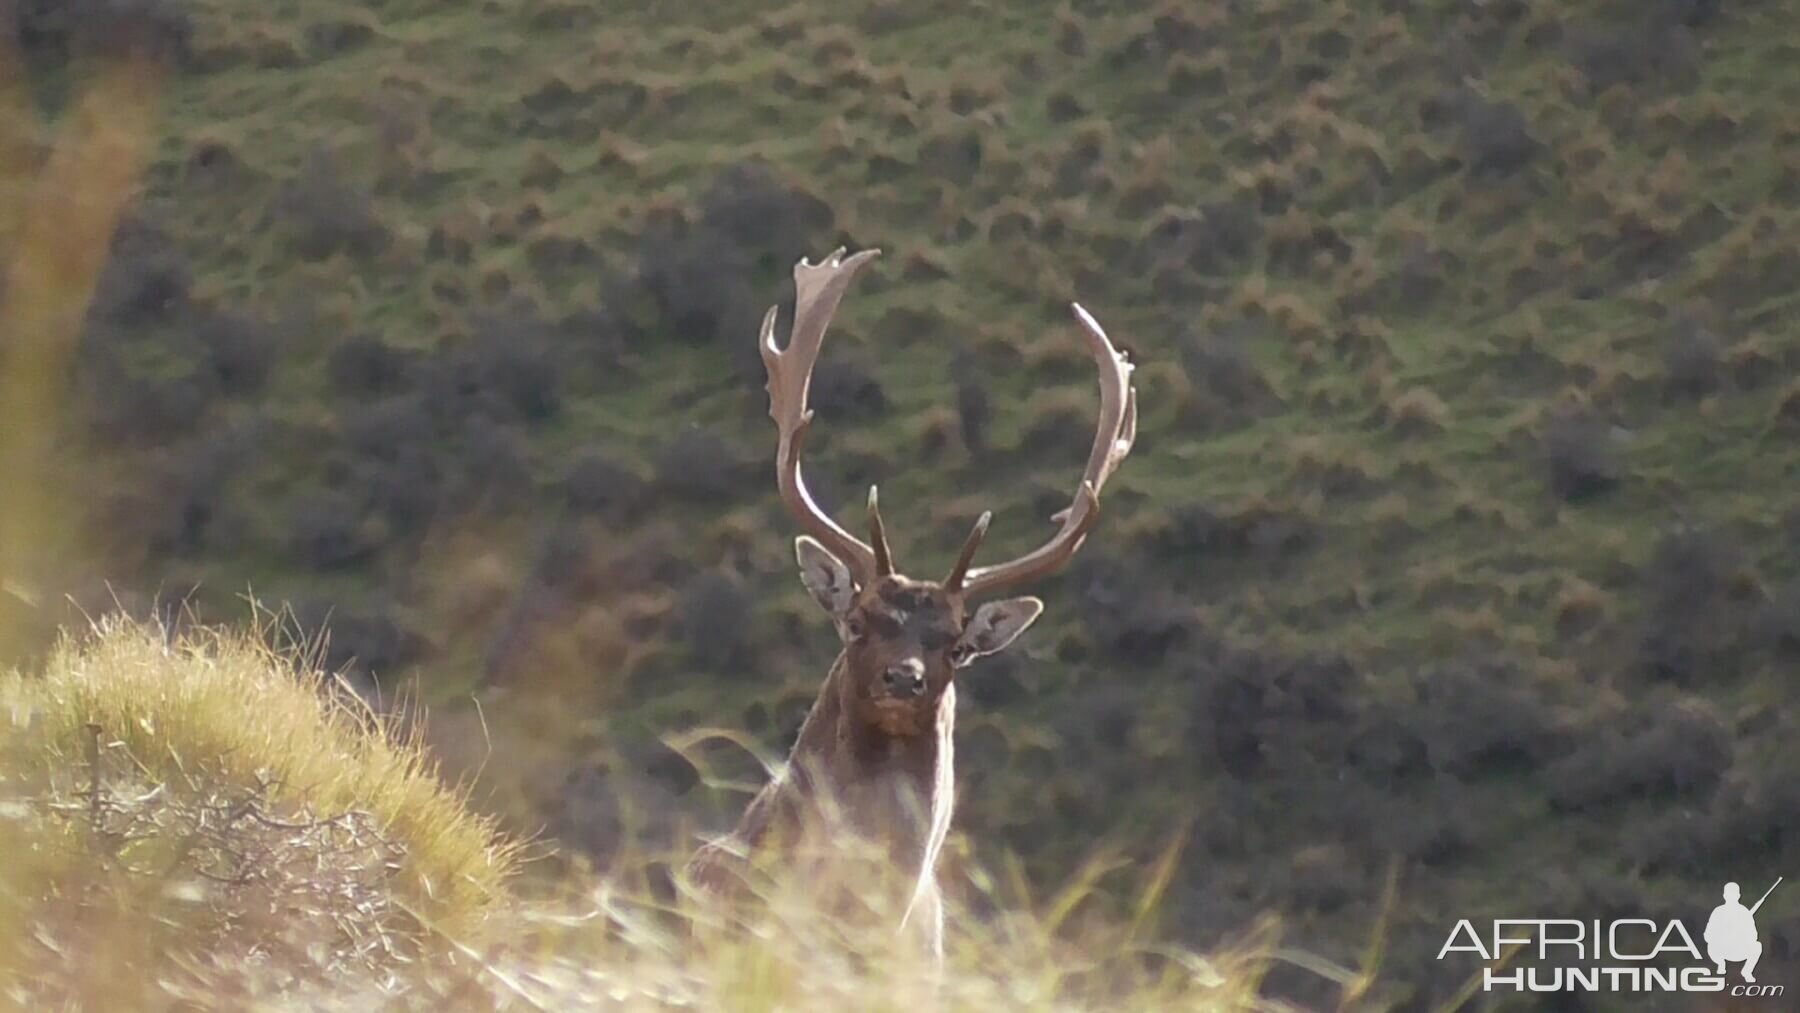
905,679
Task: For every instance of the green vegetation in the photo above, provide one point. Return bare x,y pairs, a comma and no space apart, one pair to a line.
1460,533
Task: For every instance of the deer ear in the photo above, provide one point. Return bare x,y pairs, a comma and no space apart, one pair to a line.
995,625
826,577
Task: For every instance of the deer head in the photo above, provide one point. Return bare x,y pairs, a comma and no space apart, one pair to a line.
904,639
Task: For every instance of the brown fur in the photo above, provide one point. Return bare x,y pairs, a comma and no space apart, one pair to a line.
877,768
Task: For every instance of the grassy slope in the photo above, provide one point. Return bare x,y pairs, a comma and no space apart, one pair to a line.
1446,540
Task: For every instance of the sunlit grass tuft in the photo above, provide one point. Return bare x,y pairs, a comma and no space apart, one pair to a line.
177,798
621,943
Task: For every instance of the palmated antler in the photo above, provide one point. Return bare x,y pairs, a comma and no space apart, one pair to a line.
1117,432
817,291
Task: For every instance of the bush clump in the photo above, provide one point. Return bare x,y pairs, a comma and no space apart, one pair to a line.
714,617
1578,456
330,215
702,466
363,366
1690,619
1681,749
1496,138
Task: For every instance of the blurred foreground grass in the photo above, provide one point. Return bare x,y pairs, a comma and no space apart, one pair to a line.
196,820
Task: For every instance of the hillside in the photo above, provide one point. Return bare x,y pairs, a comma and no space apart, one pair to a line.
1461,533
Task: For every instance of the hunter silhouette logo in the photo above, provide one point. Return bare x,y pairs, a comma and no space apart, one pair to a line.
1624,955
1731,932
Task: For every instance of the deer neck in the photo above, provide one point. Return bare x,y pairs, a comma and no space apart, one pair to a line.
857,752
901,790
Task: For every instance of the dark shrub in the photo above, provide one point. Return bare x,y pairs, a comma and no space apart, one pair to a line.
698,290
599,333
1578,455
408,491
50,29
1128,612
509,372
1266,714
1691,361
1496,139
1053,429
599,485
1689,619
145,281
182,504
1690,566
714,619
363,366
974,413
326,532
1263,531
1419,276
362,643
1664,14
698,464
1634,57
1388,746
993,684
954,156
328,214
392,464
242,350
336,36
1215,240
1478,717
386,429
1095,730
128,407
846,390
1751,816
1778,622
771,222
1227,387
1682,748
496,463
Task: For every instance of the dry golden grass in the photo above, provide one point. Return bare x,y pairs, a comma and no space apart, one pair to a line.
203,814
199,821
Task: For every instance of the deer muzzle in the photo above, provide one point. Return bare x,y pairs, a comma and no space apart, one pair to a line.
904,680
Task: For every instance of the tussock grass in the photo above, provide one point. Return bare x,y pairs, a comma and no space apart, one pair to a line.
622,949
224,705
199,807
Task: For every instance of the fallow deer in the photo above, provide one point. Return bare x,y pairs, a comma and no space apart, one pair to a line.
874,755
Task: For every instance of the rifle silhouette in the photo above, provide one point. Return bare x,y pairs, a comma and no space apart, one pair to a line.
1766,893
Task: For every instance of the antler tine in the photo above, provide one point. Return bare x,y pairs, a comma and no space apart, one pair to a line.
1113,440
817,290
954,582
884,556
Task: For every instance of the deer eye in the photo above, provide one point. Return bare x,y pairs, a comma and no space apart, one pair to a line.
960,654
853,625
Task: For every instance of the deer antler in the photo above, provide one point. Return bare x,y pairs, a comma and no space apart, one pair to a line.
817,291
1117,432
